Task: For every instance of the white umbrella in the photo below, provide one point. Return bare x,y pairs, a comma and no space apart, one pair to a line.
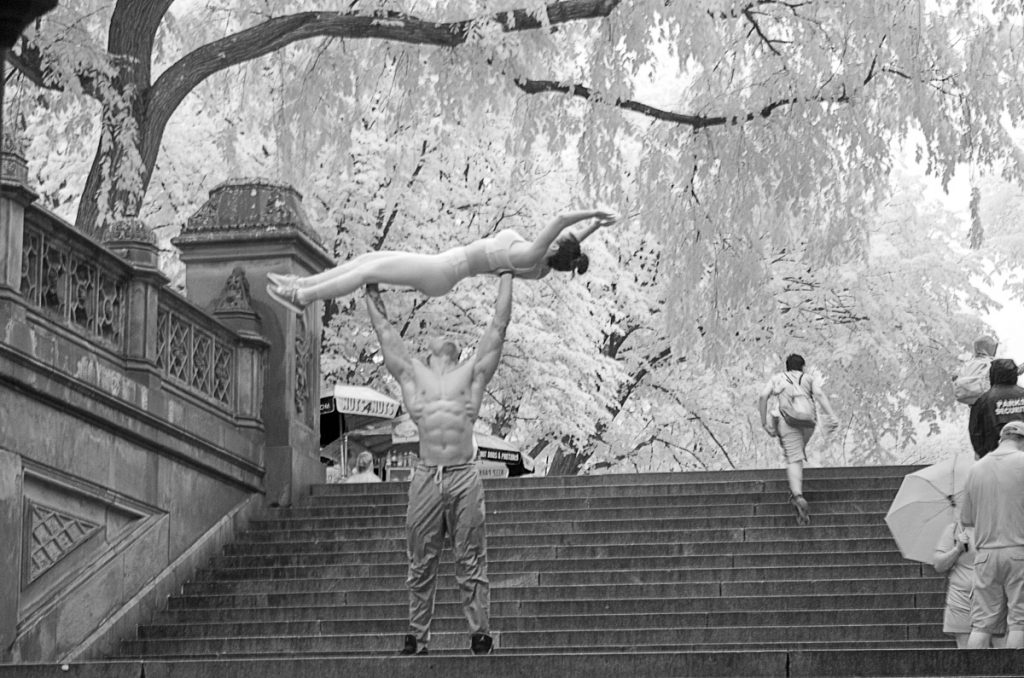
359,400
346,407
927,503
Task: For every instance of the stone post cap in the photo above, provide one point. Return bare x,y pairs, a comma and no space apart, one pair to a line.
131,239
251,204
13,165
130,229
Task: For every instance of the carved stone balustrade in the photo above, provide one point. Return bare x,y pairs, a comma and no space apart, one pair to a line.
131,437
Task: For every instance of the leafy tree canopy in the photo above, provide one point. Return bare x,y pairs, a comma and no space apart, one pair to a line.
754,148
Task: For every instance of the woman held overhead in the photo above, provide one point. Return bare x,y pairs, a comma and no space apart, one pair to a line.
436,274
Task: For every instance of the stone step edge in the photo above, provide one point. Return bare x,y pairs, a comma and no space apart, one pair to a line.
758,603
516,544
343,522
766,474
875,521
508,632
751,599
641,615
926,660
688,648
837,495
729,488
813,567
446,575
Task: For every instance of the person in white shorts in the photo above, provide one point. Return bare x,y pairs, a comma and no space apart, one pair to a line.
993,504
794,436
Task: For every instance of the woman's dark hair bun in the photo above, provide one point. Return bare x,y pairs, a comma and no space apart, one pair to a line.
569,256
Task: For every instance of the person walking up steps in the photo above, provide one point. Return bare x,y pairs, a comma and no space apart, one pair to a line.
799,397
1002,403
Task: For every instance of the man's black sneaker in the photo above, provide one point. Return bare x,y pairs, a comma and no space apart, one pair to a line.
411,647
482,643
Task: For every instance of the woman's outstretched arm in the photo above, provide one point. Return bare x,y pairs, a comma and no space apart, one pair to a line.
538,249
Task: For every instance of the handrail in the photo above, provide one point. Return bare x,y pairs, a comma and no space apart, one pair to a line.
74,280
194,350
85,287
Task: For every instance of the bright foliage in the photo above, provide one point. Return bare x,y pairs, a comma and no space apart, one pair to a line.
755,149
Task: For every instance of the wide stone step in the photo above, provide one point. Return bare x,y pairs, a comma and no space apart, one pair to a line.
394,604
554,558
367,590
299,530
599,572
932,658
504,657
389,492
384,504
849,475
871,527
666,542
674,543
368,516
639,638
683,622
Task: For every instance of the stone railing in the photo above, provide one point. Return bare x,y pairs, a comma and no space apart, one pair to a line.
73,280
105,300
194,351
146,425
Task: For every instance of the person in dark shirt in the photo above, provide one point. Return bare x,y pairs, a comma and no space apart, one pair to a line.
1002,403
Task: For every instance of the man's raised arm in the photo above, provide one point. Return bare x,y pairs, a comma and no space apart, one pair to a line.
393,348
488,351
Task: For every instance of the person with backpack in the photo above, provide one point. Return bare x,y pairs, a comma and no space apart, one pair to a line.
1002,403
799,397
971,380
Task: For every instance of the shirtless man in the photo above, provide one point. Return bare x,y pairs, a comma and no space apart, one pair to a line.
443,398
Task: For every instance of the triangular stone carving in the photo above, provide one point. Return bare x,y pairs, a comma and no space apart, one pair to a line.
54,534
235,296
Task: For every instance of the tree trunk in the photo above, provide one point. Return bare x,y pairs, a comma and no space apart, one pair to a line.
567,462
132,30
133,27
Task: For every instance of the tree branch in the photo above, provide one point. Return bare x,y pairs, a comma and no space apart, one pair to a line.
696,122
756,28
188,72
273,34
30,64
31,68
714,438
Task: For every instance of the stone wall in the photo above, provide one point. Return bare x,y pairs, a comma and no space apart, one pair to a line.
132,429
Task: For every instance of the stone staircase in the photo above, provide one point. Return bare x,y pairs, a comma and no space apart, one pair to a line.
703,561
656,574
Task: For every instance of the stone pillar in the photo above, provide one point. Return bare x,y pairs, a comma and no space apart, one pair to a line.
259,227
135,243
15,196
234,308
10,555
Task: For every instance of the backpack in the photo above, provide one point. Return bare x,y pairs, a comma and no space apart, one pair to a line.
796,405
971,380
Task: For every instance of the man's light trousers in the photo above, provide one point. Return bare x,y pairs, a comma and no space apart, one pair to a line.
447,500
